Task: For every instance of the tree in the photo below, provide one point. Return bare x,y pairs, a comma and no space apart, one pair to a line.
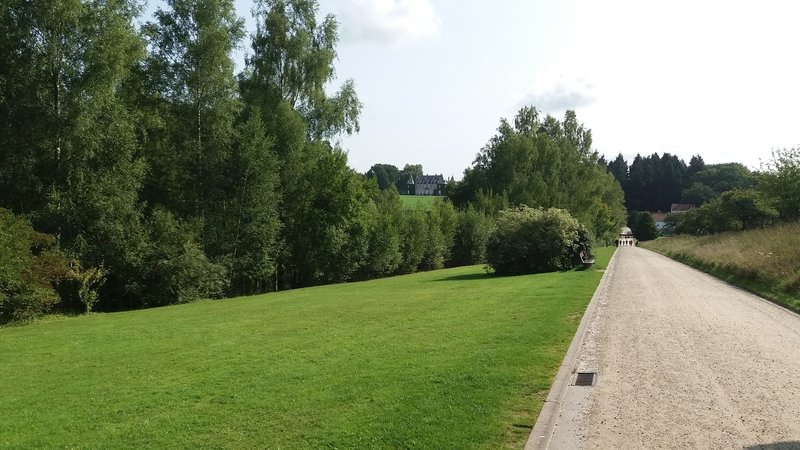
210,163
732,211
696,164
385,174
747,207
292,63
383,254
546,163
472,233
409,171
413,239
191,71
69,153
781,182
251,227
326,221
655,182
175,269
717,178
698,194
644,227
619,168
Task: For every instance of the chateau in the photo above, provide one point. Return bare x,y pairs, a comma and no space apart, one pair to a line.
426,185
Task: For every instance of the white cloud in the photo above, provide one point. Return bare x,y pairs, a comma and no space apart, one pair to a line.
558,95
388,21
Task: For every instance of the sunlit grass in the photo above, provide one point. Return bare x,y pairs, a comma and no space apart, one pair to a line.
418,201
445,359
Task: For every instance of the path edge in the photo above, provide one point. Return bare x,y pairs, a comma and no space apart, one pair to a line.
542,431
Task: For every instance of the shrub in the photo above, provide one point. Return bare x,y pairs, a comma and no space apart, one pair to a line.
30,265
528,240
176,270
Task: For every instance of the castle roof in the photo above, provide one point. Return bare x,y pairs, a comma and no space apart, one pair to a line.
431,179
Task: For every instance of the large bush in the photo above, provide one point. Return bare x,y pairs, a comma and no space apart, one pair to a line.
30,264
534,240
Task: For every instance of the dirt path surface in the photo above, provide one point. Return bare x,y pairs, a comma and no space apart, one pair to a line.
683,361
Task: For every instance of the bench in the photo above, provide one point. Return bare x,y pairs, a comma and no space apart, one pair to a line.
586,260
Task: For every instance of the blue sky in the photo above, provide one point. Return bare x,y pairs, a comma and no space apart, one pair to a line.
718,78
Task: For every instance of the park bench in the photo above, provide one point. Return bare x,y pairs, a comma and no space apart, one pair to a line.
586,260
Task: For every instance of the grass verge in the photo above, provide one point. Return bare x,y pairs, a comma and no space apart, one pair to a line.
765,262
446,359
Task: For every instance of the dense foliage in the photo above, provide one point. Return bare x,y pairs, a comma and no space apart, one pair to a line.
544,163
534,240
644,227
729,196
30,266
781,182
732,211
472,234
160,176
653,183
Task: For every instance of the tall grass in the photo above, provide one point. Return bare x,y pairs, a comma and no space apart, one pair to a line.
766,261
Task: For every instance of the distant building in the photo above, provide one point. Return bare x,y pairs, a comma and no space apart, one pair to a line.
660,219
426,185
679,208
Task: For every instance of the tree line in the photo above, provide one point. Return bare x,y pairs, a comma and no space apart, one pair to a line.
152,163
137,169
729,196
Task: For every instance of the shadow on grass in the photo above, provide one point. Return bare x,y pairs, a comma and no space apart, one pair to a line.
468,277
489,276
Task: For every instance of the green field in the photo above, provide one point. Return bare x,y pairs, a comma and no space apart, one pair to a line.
445,359
418,201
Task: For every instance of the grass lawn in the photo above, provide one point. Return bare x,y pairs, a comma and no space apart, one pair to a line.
418,201
445,359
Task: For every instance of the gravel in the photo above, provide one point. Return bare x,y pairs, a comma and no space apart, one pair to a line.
683,361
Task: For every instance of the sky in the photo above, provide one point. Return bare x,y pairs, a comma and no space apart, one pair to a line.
715,78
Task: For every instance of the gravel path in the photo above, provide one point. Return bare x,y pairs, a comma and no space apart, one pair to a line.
683,361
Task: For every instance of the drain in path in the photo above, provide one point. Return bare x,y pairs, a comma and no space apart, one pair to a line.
585,379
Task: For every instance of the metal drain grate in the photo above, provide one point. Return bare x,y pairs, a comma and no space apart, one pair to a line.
586,379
